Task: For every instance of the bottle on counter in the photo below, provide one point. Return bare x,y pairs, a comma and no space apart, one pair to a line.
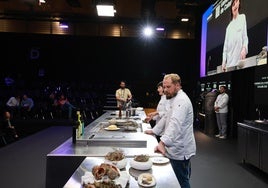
75,132
128,108
79,124
82,121
120,112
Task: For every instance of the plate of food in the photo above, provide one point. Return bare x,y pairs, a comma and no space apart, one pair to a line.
112,128
160,160
116,158
105,175
146,180
141,162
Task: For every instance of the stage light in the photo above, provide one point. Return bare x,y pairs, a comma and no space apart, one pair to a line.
105,8
185,19
148,31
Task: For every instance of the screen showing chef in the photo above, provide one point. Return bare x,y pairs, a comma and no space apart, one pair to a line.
234,36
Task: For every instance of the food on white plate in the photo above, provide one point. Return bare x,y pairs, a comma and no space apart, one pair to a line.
141,158
106,183
99,171
115,156
112,127
147,179
141,162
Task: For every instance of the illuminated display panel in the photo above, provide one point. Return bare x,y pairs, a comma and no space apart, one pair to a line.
214,23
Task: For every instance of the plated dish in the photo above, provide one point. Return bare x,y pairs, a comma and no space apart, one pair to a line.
116,158
160,160
141,162
146,180
111,129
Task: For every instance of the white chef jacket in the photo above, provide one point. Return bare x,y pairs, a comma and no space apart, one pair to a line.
161,108
222,102
178,134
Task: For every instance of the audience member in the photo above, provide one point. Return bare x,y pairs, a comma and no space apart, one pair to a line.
52,105
8,128
13,105
65,105
27,105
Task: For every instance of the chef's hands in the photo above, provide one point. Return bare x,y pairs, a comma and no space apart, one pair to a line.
160,148
148,119
149,131
243,53
150,116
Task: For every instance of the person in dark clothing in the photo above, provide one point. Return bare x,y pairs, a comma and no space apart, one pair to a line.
7,126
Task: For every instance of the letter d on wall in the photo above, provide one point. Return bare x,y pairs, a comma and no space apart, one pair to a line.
34,53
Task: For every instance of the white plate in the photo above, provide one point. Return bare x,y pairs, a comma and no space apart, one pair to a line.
153,183
108,129
160,160
123,179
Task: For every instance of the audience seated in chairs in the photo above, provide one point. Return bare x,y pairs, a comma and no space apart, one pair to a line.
7,128
27,105
65,105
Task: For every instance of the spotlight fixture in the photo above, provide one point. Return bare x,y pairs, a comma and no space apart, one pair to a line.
41,2
184,19
105,8
148,31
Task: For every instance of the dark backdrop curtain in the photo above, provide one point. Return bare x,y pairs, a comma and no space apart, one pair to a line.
242,101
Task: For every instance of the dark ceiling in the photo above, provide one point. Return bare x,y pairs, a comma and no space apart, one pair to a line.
167,12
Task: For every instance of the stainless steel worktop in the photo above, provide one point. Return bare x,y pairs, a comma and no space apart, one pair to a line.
63,162
130,142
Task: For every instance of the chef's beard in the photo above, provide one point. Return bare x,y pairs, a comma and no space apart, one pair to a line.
168,97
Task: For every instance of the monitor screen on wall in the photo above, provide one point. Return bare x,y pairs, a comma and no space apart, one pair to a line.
232,45
261,86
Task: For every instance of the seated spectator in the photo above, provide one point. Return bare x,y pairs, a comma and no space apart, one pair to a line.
65,105
27,105
52,105
8,128
13,105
